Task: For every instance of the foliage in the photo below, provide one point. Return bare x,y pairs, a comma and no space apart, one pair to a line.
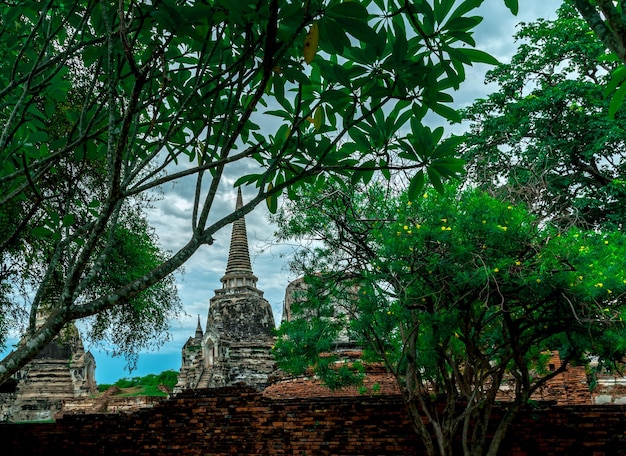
606,19
146,385
545,136
146,93
456,294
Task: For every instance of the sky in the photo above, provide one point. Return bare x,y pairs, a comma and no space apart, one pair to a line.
170,216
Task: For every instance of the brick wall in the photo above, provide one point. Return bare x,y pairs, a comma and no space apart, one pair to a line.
240,421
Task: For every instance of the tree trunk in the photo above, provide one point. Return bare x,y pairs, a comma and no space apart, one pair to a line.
419,427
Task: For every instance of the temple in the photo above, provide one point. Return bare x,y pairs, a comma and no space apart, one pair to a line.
236,344
62,371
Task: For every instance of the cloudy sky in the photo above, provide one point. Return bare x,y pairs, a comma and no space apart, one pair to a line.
171,215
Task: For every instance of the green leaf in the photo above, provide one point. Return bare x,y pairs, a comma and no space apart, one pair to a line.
435,178
416,185
41,232
247,179
38,136
359,138
428,18
69,219
465,7
359,29
400,49
616,100
617,77
478,56
512,5
448,145
272,200
348,9
318,118
446,112
333,38
442,8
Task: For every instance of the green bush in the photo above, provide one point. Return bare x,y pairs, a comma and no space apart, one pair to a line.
149,383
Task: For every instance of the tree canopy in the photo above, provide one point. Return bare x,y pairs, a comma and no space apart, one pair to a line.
545,137
268,94
457,294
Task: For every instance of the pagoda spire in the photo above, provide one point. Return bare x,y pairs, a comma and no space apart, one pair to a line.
198,329
239,275
239,255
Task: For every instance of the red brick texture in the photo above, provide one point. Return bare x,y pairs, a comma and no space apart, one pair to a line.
240,421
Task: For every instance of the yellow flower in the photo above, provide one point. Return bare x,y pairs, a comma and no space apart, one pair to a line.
425,195
444,220
538,280
496,270
405,227
410,232
599,285
518,262
609,291
606,242
509,207
418,226
409,203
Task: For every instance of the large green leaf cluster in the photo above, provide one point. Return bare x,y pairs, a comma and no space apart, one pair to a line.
545,136
458,294
464,260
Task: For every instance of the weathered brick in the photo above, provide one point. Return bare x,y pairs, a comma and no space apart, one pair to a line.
250,424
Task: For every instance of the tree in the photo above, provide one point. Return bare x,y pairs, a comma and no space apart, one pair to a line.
176,91
605,18
545,136
132,251
457,294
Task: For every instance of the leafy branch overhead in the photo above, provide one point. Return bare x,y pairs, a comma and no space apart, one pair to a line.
122,98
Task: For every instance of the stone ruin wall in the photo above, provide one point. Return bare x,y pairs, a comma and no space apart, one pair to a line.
241,421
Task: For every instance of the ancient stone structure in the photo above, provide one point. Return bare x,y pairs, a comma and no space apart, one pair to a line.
61,371
236,345
242,421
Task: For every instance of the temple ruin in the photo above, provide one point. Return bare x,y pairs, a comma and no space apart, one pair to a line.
62,371
236,344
